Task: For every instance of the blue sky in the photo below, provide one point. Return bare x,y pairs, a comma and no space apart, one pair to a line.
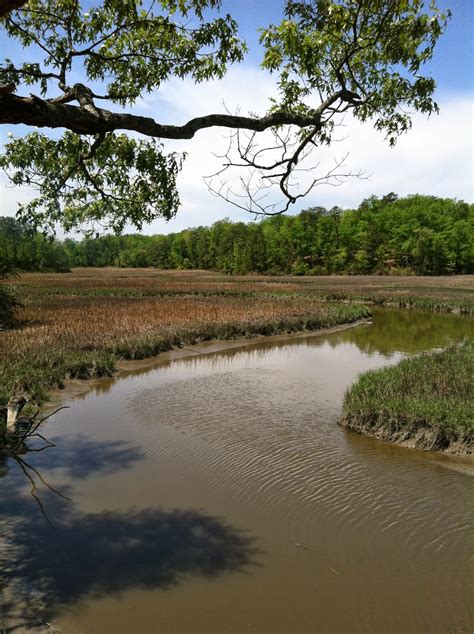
436,157
453,62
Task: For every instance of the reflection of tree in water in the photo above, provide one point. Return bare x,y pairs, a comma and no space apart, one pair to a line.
407,331
45,569
3,465
36,480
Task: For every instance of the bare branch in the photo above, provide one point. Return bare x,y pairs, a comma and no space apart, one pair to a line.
27,470
282,172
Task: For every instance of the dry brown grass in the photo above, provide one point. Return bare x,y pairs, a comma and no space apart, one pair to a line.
151,281
95,321
78,324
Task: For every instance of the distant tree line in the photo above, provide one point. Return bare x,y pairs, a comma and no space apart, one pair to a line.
420,234
22,249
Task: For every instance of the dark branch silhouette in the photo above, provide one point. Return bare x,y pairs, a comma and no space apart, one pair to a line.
81,119
366,59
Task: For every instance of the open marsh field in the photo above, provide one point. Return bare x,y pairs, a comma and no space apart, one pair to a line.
455,291
78,325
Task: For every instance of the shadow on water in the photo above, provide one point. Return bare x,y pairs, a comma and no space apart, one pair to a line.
47,566
79,456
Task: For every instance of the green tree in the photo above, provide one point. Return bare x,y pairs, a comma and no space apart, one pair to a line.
355,56
422,234
23,249
8,301
203,259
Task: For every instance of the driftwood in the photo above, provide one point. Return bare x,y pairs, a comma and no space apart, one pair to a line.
19,429
13,443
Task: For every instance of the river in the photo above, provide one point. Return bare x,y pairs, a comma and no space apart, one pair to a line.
216,493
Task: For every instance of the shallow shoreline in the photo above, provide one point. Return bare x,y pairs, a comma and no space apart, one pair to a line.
421,438
80,387
430,439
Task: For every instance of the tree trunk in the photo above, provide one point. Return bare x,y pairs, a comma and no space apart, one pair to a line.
12,414
10,5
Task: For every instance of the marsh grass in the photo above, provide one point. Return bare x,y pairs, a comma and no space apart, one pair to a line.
434,391
84,336
456,288
407,302
9,305
78,324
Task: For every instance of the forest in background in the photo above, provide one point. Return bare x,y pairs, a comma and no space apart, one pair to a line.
417,234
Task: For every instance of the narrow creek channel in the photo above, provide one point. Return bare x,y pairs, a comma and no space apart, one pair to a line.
216,493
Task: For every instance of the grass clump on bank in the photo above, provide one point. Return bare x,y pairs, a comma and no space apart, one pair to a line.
427,401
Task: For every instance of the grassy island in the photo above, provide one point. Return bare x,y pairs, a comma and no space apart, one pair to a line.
425,401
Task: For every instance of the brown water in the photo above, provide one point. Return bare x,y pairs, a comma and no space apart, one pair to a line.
216,493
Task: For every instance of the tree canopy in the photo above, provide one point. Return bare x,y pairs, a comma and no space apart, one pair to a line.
389,235
107,164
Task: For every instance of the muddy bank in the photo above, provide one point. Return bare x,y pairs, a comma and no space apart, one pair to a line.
123,367
425,401
413,435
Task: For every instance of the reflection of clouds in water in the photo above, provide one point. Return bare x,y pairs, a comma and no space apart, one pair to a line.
250,356
299,379
346,358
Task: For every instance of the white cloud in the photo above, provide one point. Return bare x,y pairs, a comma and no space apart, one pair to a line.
435,157
10,196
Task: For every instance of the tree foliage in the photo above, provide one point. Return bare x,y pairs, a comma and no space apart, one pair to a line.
417,234
8,301
329,56
24,249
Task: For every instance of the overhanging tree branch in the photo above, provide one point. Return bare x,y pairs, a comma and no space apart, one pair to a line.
6,6
35,111
358,56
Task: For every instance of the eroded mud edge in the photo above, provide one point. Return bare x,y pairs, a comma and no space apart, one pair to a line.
418,435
